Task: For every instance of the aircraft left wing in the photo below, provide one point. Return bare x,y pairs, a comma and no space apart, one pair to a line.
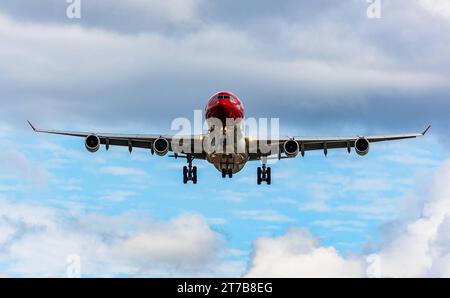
318,143
303,144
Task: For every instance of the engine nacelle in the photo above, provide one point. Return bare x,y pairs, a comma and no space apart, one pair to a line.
291,148
161,146
92,143
362,146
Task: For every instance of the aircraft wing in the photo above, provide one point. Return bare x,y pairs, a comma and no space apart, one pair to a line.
126,140
325,143
319,143
304,143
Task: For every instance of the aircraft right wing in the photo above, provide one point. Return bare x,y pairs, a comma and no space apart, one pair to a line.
125,140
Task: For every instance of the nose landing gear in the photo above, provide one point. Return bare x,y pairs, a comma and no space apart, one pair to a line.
190,172
264,174
227,172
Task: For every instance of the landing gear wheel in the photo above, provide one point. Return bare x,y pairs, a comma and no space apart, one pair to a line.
259,176
189,172
185,175
194,175
230,173
264,174
269,177
224,173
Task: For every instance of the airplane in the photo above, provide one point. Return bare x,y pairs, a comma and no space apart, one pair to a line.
224,106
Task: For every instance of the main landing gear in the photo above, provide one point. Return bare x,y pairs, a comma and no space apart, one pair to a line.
264,173
190,172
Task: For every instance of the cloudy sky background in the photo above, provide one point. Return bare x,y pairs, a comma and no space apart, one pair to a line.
322,67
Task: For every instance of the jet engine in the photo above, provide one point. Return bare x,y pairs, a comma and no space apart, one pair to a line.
291,148
362,146
92,143
161,146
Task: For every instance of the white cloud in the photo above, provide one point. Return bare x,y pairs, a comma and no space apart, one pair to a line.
341,225
233,196
185,241
263,215
216,221
170,10
118,195
123,171
68,58
437,7
5,130
416,247
311,68
297,254
107,245
17,163
411,159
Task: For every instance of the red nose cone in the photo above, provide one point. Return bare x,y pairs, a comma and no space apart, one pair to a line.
223,106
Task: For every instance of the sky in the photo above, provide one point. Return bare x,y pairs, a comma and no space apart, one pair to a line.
322,67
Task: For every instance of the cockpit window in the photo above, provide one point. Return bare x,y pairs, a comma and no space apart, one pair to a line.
227,97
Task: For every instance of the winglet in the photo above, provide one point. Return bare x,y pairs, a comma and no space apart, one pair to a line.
426,130
34,128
